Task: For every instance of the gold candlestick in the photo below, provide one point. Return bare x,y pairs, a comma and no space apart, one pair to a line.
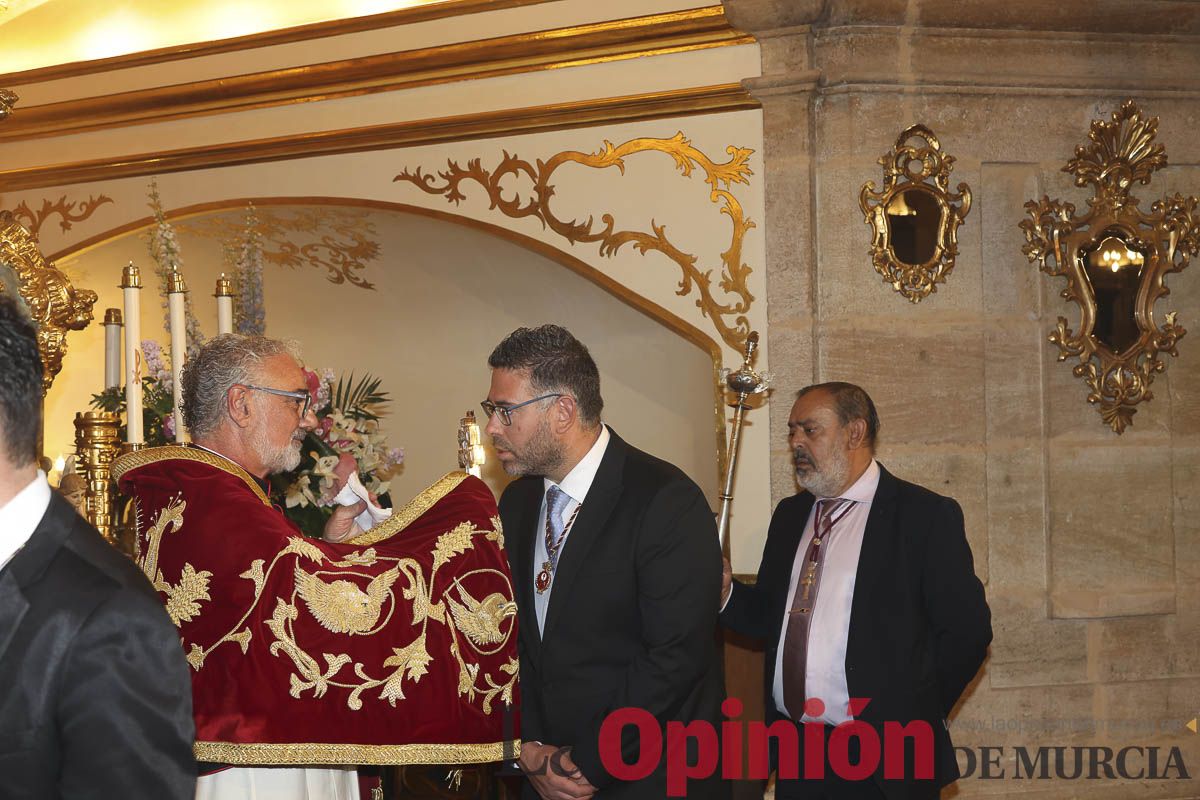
470,450
96,445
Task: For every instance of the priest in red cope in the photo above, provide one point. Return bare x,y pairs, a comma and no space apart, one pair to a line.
395,645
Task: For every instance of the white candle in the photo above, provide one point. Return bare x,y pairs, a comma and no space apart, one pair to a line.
112,348
224,295
176,294
131,285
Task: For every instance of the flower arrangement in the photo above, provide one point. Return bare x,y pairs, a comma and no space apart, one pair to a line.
158,402
347,412
164,249
249,313
348,425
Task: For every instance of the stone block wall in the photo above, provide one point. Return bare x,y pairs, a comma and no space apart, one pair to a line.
1088,542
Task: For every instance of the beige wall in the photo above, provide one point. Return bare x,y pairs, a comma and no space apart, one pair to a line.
1059,510
444,295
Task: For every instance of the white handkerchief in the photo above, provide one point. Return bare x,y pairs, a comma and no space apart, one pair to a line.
352,493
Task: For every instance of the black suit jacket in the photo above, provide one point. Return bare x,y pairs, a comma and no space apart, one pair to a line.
96,699
632,613
919,622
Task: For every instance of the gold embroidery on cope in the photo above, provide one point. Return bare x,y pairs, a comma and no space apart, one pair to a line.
352,602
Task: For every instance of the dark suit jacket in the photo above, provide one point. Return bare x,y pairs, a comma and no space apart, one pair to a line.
632,613
919,622
96,699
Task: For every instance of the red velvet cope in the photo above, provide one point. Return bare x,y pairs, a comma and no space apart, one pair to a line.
397,647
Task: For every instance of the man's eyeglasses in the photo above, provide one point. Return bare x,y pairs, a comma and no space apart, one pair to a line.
302,397
505,412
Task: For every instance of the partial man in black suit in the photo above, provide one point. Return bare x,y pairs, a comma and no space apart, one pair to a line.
612,552
96,699
867,589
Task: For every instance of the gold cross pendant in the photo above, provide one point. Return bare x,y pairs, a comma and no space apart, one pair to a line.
807,581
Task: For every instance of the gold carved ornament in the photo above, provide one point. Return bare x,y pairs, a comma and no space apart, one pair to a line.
915,216
8,99
53,303
1114,259
728,316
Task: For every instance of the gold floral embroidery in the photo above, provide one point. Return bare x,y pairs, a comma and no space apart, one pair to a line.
358,603
344,607
183,598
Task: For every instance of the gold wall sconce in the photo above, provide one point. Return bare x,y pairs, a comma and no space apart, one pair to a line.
915,216
1114,259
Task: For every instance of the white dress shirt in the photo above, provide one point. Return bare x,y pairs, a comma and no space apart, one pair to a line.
829,628
575,485
20,517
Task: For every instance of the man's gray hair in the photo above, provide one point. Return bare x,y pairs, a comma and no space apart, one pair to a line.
222,362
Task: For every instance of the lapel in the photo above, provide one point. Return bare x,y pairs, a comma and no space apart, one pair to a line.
524,537
597,507
28,565
13,607
873,558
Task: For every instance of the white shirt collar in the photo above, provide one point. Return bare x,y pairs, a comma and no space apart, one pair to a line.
863,489
579,479
20,516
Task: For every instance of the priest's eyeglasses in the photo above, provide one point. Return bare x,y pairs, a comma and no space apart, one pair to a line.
303,398
505,412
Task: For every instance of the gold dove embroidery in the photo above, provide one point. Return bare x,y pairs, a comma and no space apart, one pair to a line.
341,606
479,620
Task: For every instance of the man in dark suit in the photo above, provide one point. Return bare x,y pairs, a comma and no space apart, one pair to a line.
866,590
612,551
96,700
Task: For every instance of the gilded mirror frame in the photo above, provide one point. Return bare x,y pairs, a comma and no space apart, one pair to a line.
1121,152
55,306
915,281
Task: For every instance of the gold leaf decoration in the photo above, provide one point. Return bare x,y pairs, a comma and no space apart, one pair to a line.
497,533
195,657
1122,152
452,543
341,241
302,547
243,639
70,212
255,573
411,661
183,599
728,316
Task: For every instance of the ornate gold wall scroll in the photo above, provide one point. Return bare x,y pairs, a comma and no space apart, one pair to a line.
915,217
54,304
71,212
338,240
728,316
1114,258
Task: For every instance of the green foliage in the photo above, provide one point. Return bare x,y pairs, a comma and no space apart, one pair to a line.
360,400
157,405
